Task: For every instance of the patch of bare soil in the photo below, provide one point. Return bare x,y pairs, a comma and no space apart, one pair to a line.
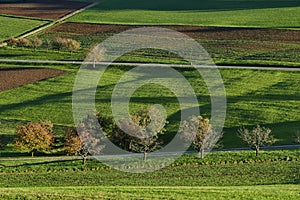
14,77
45,9
196,32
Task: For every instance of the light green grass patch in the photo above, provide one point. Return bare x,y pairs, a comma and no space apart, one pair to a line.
236,13
123,192
14,26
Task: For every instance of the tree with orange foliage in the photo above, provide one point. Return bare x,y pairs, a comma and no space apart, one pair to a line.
87,142
35,137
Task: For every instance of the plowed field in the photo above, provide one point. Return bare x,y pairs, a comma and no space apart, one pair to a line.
14,77
209,33
45,9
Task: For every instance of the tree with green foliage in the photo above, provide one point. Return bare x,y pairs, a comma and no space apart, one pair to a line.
256,137
140,133
198,131
35,137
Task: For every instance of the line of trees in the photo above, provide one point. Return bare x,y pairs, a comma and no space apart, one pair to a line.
144,135
58,43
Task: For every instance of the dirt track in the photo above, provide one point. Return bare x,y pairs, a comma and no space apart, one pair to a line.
196,32
46,9
14,77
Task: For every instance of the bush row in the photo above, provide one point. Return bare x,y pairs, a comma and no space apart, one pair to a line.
58,43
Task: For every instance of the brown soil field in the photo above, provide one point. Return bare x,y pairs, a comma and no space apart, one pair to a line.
11,77
46,9
196,32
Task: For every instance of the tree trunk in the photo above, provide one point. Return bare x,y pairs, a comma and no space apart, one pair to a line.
201,153
256,151
83,160
145,156
32,153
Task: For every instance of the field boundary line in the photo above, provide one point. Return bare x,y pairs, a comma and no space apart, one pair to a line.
151,65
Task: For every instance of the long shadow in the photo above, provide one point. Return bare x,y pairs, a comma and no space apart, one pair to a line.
188,5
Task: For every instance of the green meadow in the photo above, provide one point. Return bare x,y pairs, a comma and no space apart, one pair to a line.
220,175
269,98
11,26
234,13
125,192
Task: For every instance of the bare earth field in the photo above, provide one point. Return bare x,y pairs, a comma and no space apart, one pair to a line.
196,32
45,9
14,77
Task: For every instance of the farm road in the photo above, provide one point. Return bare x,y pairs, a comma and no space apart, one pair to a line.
55,158
150,65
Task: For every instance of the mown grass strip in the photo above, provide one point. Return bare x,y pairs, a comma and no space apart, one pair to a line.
246,192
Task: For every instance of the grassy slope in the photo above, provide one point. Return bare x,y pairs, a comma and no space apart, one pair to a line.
264,13
13,27
265,97
57,179
123,192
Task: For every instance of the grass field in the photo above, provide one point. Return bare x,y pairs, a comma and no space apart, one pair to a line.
123,192
275,175
13,27
270,98
237,13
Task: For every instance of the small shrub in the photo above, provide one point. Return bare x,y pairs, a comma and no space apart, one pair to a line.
23,42
12,42
36,42
72,45
59,43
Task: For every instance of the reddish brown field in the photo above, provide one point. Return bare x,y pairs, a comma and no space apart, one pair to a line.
46,9
204,33
14,77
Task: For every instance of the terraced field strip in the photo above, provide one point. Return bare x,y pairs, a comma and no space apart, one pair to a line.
227,46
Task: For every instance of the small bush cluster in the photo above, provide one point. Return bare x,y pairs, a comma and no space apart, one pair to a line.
60,44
